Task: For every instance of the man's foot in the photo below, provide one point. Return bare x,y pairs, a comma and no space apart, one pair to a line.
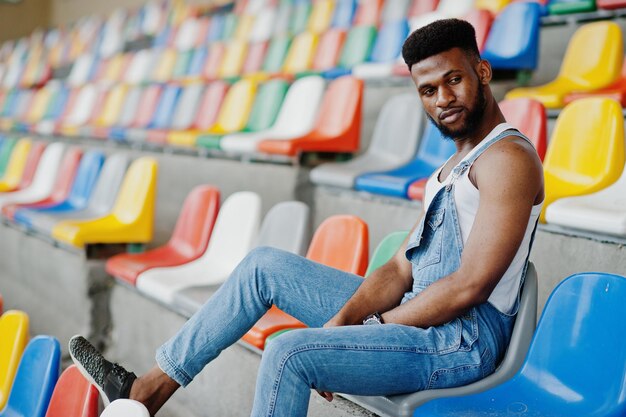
112,380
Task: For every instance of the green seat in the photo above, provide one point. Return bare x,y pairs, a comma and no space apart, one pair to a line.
181,66
263,114
385,250
230,25
358,46
300,17
569,6
273,336
276,53
5,154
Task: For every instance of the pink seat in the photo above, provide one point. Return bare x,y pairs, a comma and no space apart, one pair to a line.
329,49
481,20
254,57
368,13
188,242
529,116
147,106
419,7
211,68
610,4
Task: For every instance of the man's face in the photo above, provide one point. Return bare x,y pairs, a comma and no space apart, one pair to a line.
451,92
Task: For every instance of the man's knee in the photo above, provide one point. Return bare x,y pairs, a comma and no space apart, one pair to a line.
285,346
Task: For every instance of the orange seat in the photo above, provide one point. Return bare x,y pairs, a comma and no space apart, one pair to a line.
254,57
529,116
188,242
616,91
338,125
341,242
73,396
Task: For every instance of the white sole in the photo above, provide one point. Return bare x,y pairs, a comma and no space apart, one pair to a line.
84,372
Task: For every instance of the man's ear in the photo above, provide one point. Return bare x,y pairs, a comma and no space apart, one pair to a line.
483,69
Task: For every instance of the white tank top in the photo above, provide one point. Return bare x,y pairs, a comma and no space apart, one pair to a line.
466,199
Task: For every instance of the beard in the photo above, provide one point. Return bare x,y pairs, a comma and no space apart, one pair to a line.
474,117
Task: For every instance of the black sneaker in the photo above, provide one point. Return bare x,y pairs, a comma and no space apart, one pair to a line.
112,380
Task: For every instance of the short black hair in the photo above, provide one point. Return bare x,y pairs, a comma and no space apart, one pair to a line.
437,37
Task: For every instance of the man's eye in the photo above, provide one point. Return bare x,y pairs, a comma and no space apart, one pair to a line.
455,80
428,92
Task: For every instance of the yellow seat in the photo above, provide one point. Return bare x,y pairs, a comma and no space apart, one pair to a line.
112,106
13,340
593,60
233,59
586,150
130,221
244,27
15,168
39,105
164,68
114,68
321,15
494,6
301,52
235,109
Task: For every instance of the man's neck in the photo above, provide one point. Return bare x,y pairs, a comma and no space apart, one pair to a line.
492,118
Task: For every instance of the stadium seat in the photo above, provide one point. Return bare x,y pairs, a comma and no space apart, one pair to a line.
386,250
187,34
5,153
445,10
238,217
387,50
233,60
266,106
529,116
243,28
234,112
143,114
184,112
162,116
394,142
211,68
125,408
593,60
513,41
13,340
610,4
321,15
296,117
189,239
83,70
394,10
263,26
130,221
368,13
126,116
343,14
482,21
64,178
340,242
356,50
36,376
285,226
139,67
32,162
73,396
299,17
586,150
616,91
100,203
338,125
196,64
54,111
38,107
434,150
86,177
328,50
181,65
494,6
300,55
78,114
163,65
282,20
560,374
15,167
276,53
571,6
419,7
58,112
110,112
216,28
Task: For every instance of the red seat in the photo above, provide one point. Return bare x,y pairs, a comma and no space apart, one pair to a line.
616,91
188,242
338,124
36,150
211,68
329,49
419,7
73,396
340,242
481,20
368,13
62,186
610,4
254,57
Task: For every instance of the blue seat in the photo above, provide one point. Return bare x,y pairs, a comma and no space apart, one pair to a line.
513,41
344,12
197,62
434,150
35,379
163,37
388,45
9,102
576,362
216,28
85,180
165,109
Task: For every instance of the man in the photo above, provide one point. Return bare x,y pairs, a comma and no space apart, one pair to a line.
441,310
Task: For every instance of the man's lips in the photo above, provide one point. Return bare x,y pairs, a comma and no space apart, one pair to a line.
450,115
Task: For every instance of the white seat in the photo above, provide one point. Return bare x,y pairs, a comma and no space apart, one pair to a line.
152,18
254,7
394,10
13,74
125,408
263,25
130,107
296,117
43,181
139,67
187,107
83,106
447,9
603,211
81,70
187,34
235,229
394,143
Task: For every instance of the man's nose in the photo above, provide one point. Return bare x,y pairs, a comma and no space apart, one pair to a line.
444,97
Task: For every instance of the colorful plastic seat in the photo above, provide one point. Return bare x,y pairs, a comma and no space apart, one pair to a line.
276,53
126,116
321,15
236,227
368,13
131,220
571,6
356,50
35,379
230,26
387,50
494,6
419,7
263,25
560,373
189,239
593,60
283,18
285,226
328,50
15,168
73,396
340,242
301,51
125,408
5,153
513,42
233,58
81,109
529,116
163,65
299,17
267,104
196,64
394,10
82,70
615,91
344,12
254,58
216,28
586,150
295,118
13,340
143,114
162,116
386,250
32,162
211,68
181,65
55,111
139,67
184,113
243,28
110,112
338,125
445,9
394,142
482,21
186,35
610,4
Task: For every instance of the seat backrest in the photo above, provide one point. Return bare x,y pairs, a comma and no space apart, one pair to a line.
73,396
112,106
244,27
300,107
130,106
358,46
530,117
419,7
341,104
126,408
299,17
494,6
236,106
263,25
276,53
283,17
34,156
388,45
82,70
109,182
266,105
40,102
210,105
230,25
86,177
481,20
341,242
435,149
368,12
186,35
83,105
137,192
165,109
163,65
35,378
150,97
139,67
233,58
455,8
196,220
586,150
254,57
13,340
394,10
321,15
594,55
328,50
5,153
300,55
398,127
17,163
577,335
215,28
187,106
386,250
181,65
211,67
66,174
198,58
286,226
56,106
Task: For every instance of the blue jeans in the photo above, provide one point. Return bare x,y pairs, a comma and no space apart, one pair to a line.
364,360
